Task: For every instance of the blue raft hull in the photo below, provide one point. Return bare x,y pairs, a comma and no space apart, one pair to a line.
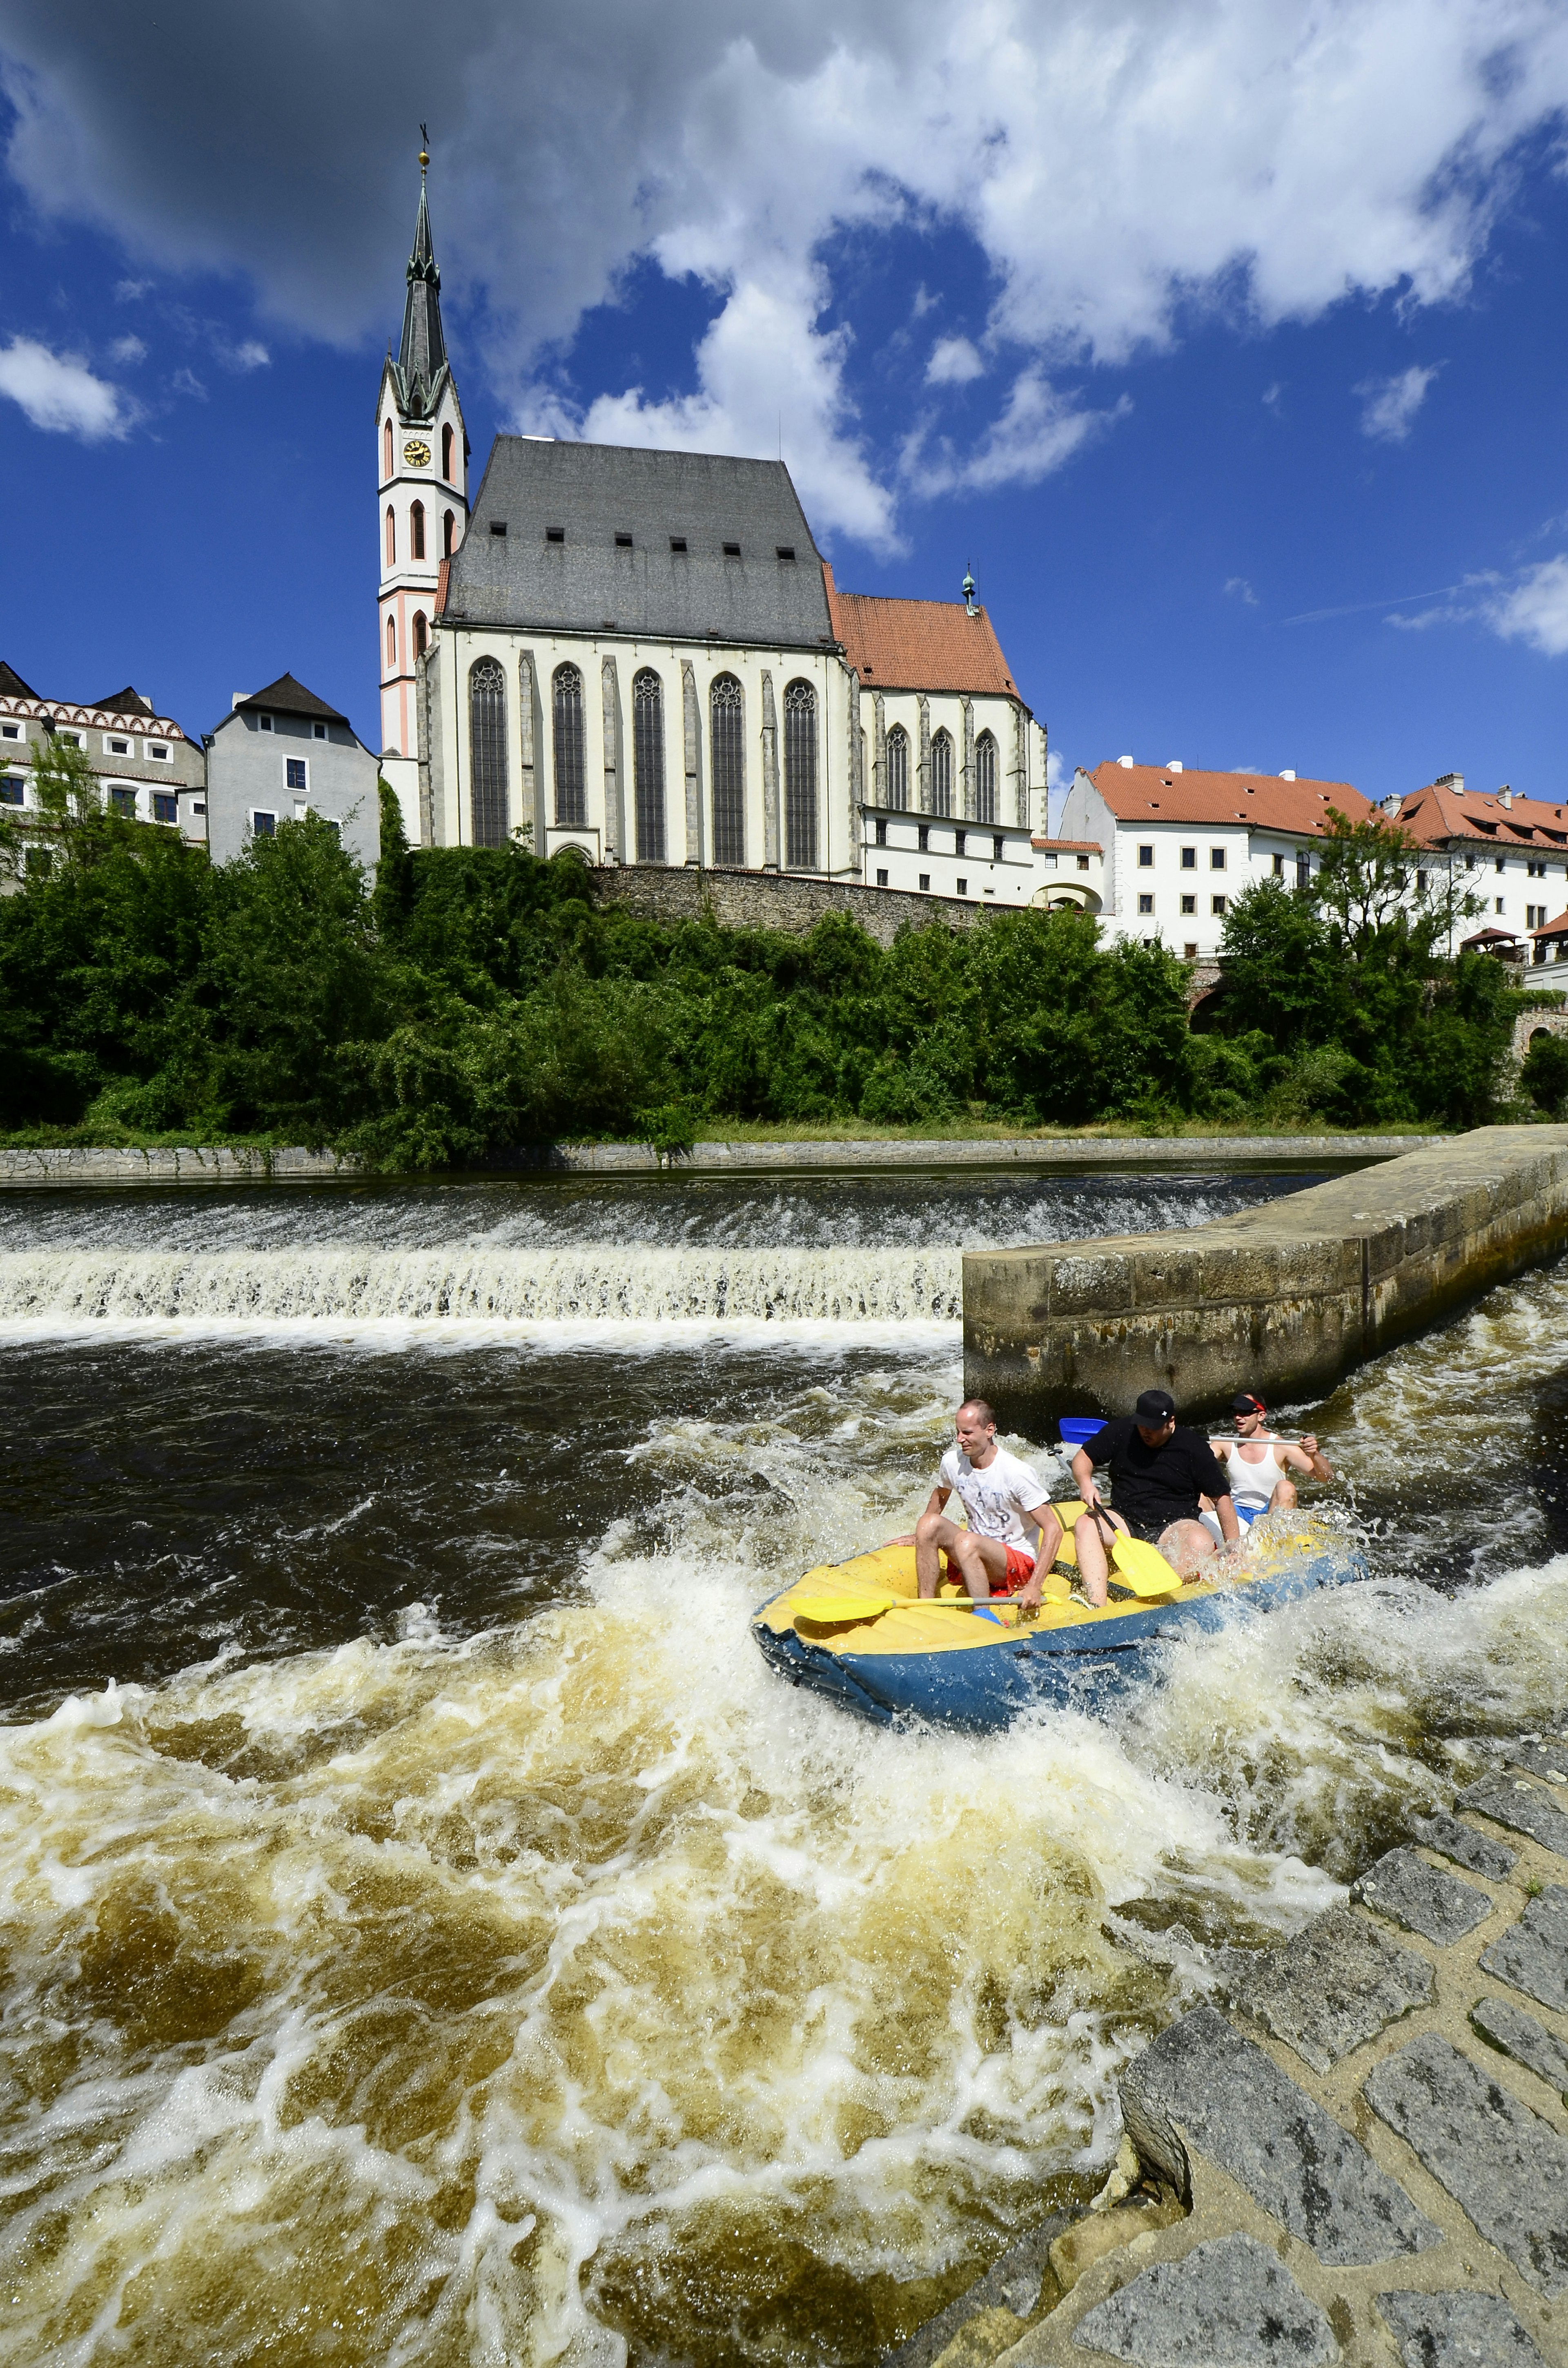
1085,1669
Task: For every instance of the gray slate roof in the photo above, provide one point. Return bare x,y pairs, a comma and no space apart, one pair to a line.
287,697
586,583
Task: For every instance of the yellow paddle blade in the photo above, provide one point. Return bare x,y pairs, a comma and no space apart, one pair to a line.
1142,1567
871,1607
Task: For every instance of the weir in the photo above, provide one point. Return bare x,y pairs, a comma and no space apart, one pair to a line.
1285,1299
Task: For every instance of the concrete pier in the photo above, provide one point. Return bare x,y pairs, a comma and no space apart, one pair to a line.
1284,1299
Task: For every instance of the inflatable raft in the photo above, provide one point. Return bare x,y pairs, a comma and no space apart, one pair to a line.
978,1667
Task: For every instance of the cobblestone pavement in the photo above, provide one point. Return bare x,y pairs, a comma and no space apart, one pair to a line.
1362,2160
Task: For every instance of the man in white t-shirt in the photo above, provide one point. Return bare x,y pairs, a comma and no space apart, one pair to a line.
1013,1535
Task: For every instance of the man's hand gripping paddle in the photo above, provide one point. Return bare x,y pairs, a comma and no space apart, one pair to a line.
1140,1567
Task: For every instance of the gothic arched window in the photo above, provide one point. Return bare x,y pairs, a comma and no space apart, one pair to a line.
449,527
487,751
727,741
392,536
416,531
570,774
447,454
387,452
648,763
801,777
898,767
986,778
942,774
421,634
391,645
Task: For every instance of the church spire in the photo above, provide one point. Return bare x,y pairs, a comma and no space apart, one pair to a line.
422,356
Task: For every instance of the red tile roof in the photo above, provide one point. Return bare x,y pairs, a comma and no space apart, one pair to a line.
1558,928
1150,792
1068,845
918,644
1440,811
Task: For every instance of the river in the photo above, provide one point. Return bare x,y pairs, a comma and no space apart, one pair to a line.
428,1933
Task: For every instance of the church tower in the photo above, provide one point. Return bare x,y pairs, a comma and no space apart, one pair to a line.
422,456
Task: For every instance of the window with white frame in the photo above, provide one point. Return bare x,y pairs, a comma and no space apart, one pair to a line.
12,793
113,748
159,752
1145,858
1145,904
263,826
165,806
1217,906
1216,859
11,732
297,774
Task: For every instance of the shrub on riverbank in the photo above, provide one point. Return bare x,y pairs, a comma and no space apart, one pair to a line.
477,997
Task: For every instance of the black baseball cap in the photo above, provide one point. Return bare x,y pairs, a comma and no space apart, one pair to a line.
1155,1409
1244,1403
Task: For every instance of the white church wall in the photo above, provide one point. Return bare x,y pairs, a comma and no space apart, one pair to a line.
609,666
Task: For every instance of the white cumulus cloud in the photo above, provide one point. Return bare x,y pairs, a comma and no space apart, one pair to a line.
1534,609
1113,164
954,362
1389,405
60,393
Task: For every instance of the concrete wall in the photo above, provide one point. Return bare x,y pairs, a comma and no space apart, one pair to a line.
247,774
1284,1299
755,900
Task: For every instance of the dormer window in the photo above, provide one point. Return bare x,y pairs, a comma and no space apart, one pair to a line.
265,721
678,542
555,534
786,550
497,526
623,542
732,551
318,730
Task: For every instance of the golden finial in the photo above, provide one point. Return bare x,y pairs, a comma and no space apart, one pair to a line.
423,146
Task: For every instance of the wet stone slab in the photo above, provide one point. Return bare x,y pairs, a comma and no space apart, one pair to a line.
1482,1853
1457,2330
1423,1898
1503,2024
1502,2164
1524,1808
1229,2303
1203,2085
1543,1755
1533,1953
1334,1986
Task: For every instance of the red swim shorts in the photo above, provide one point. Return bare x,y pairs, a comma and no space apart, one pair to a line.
1020,1570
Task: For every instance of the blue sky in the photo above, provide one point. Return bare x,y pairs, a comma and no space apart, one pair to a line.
1225,342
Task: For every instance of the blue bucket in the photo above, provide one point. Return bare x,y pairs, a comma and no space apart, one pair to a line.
1076,1427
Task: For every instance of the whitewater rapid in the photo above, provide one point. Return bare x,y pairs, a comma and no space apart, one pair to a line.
431,1935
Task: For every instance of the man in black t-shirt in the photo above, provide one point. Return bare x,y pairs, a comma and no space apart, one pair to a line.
1159,1470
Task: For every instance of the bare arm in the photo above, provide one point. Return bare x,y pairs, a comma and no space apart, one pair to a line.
1230,1527
1309,1457
1084,1473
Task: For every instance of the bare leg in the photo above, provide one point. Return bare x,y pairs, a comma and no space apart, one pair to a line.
1093,1568
1184,1545
927,1544
1284,1499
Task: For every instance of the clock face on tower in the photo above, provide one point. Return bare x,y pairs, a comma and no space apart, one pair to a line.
415,454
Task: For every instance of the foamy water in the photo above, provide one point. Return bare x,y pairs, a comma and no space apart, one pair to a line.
473,1953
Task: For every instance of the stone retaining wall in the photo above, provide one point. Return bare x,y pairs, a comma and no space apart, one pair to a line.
1284,1299
1363,2159
766,900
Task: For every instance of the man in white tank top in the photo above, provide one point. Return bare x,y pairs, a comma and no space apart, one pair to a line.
1259,1466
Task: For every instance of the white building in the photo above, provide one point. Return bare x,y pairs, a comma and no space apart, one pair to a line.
1509,852
645,654
149,770
1181,845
